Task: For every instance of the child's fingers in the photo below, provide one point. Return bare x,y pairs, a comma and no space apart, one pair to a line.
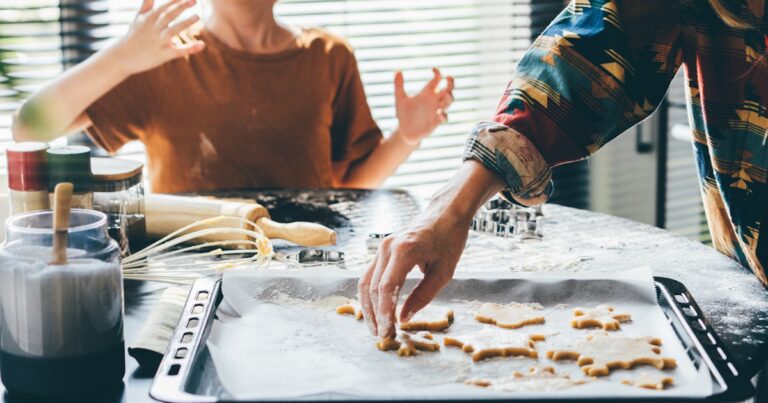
451,84
188,49
432,84
445,97
444,101
399,85
174,12
146,6
180,26
447,92
156,13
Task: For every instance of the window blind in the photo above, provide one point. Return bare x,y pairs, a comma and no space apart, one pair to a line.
685,211
476,41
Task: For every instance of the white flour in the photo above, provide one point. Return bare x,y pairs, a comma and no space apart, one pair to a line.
285,342
54,311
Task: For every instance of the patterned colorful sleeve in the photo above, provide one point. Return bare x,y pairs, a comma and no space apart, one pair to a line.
601,67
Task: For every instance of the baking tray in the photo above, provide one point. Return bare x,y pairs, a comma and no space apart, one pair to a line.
187,374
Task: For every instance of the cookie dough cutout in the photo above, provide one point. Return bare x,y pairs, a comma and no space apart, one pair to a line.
350,309
602,316
432,318
408,345
510,316
538,379
489,343
598,354
650,381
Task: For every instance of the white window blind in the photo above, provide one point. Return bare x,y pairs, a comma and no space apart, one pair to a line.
476,41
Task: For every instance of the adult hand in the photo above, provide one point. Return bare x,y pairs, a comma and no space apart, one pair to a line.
434,244
152,39
420,114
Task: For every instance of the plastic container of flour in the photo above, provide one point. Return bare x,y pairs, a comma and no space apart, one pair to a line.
61,326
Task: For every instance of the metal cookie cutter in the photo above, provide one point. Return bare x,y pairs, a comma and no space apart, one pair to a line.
374,241
315,257
504,219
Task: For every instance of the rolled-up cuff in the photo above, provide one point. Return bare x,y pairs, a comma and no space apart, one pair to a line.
512,156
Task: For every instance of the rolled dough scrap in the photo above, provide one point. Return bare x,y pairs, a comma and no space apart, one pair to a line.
408,345
350,309
432,318
650,381
602,316
539,379
598,354
510,316
488,343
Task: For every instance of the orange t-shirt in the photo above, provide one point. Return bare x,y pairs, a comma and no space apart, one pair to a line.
227,119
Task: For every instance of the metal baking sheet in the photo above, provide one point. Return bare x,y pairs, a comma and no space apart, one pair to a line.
191,376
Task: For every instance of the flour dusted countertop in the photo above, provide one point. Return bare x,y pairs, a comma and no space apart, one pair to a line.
733,300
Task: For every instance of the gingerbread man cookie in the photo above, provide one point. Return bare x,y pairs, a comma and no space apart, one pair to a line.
510,316
408,345
488,343
539,379
602,316
598,354
432,318
650,381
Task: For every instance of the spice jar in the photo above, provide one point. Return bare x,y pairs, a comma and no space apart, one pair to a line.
27,176
118,192
71,164
61,328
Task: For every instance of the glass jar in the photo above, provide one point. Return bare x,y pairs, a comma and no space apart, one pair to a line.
61,327
118,192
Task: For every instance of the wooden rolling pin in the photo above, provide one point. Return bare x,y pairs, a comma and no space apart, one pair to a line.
165,214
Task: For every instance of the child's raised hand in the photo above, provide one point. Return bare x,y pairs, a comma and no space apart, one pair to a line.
420,114
153,37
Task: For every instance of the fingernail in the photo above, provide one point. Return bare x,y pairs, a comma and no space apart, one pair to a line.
384,327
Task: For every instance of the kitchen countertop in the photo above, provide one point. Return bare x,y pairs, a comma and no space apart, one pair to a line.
732,299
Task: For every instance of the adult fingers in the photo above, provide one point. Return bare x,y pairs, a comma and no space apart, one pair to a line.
435,278
180,26
363,294
398,267
174,12
435,81
399,85
381,265
146,5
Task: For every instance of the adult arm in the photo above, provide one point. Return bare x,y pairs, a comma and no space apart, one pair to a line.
59,107
598,69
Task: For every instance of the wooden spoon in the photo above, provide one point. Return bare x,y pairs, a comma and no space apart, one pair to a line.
62,201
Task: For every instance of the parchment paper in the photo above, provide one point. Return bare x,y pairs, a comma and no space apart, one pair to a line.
277,336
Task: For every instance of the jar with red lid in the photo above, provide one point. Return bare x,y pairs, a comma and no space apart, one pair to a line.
27,177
